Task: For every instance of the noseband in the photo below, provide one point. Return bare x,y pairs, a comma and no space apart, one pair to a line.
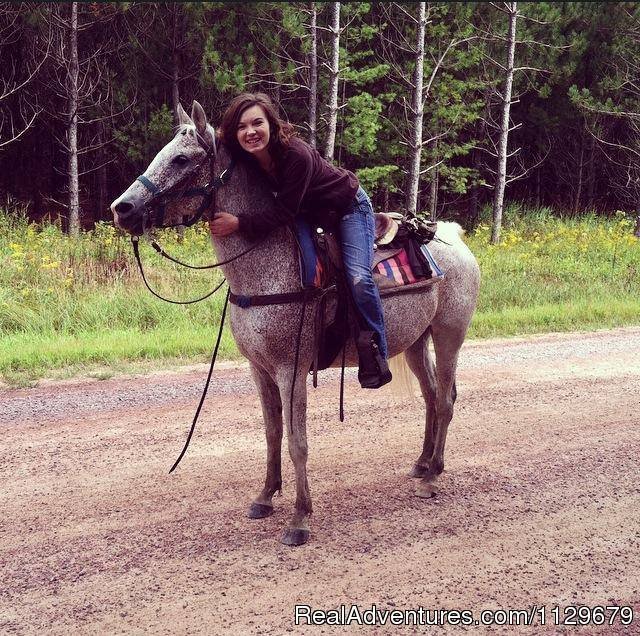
155,208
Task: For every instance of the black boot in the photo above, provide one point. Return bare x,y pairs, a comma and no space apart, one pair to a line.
374,370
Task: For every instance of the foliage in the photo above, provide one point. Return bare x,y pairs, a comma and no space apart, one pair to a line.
377,177
362,123
575,95
564,265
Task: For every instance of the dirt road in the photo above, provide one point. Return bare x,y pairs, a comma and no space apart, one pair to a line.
539,502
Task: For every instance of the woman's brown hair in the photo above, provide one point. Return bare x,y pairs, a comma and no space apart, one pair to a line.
280,131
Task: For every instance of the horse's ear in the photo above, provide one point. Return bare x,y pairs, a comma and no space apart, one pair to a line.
199,118
183,118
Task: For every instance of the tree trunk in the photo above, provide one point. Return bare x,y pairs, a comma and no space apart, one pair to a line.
276,71
590,174
474,209
313,77
342,100
636,231
433,195
473,214
477,163
417,111
333,80
578,197
102,186
175,68
103,202
276,65
498,201
72,130
175,88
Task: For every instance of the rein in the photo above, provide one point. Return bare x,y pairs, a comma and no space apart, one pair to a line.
206,386
136,253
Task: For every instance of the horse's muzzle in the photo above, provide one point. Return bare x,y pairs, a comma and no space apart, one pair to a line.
129,217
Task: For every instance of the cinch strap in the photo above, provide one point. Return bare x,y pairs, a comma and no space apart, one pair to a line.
275,299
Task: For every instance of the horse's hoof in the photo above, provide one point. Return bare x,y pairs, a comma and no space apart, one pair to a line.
419,471
427,490
295,536
259,511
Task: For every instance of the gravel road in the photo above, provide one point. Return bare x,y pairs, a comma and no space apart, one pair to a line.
539,504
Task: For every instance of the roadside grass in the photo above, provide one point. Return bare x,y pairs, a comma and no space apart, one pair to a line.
77,305
556,274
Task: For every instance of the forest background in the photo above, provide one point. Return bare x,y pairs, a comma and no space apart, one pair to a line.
442,109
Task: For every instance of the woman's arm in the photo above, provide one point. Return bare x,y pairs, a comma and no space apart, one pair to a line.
295,177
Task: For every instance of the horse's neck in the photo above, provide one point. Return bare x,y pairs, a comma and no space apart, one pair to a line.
272,267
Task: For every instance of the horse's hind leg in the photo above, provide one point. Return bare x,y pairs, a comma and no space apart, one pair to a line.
420,362
297,532
262,506
446,342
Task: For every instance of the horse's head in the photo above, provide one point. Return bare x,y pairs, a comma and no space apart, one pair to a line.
171,190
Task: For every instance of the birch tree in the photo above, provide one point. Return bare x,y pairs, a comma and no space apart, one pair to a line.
334,73
313,76
432,37
500,77
73,76
498,200
417,113
80,89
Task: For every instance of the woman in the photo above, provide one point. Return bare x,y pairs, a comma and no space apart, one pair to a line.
305,183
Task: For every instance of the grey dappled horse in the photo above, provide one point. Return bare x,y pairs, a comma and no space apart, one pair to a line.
266,335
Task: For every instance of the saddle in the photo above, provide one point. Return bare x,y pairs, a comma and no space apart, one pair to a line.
401,264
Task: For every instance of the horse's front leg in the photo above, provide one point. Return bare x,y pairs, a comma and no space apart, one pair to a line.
262,506
295,416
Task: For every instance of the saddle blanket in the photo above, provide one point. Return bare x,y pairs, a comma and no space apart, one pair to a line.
412,264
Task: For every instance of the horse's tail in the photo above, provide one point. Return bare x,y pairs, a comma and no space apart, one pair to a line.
404,383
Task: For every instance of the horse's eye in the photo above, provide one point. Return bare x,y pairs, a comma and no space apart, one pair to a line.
181,160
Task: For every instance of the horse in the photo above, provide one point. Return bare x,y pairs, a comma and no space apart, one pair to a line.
266,335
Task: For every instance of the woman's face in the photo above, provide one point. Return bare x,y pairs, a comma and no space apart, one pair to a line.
253,131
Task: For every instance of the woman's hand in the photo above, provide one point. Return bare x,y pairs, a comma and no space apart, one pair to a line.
223,224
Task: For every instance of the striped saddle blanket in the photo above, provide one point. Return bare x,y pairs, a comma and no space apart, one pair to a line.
412,263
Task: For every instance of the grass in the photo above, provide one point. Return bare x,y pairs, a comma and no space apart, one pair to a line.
77,305
554,274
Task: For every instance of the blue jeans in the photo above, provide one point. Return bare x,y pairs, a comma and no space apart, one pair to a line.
357,232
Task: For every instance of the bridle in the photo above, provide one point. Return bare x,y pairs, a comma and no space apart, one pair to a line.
155,208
